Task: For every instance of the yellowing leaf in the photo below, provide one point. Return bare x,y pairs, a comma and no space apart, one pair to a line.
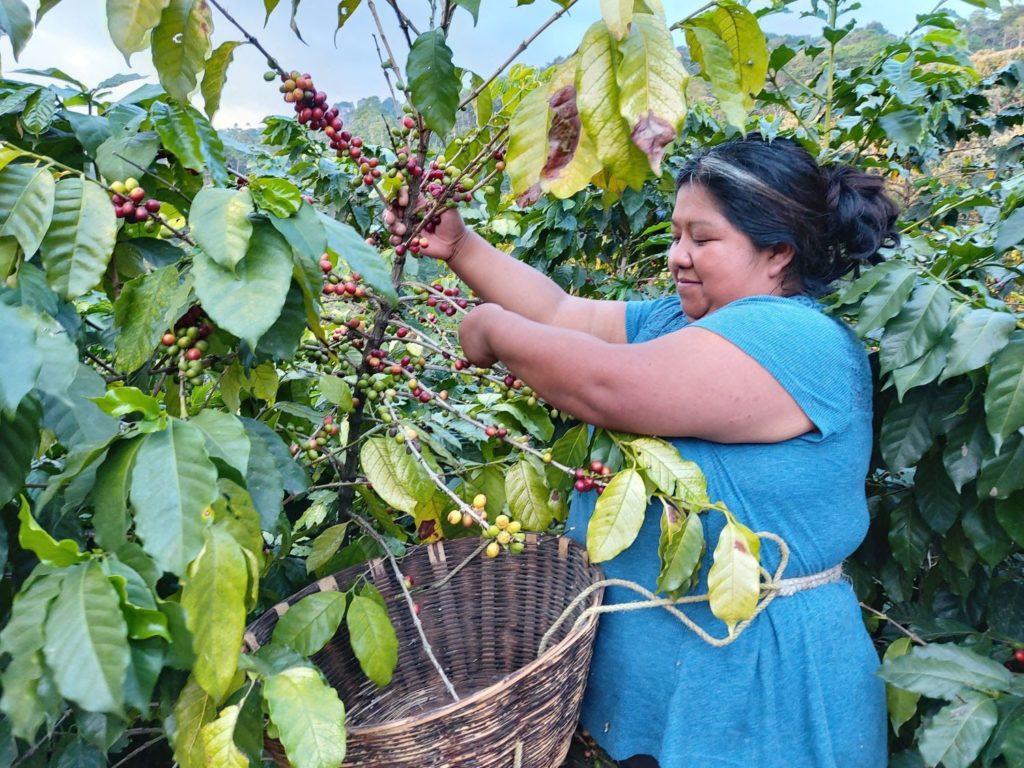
527,145
734,578
618,515
219,741
617,14
309,717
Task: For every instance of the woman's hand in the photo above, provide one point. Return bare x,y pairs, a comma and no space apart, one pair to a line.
475,331
449,231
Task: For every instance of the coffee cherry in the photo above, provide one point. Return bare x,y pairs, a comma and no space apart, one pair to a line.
130,184
194,353
480,501
514,527
493,549
502,521
455,517
516,547
153,206
1019,655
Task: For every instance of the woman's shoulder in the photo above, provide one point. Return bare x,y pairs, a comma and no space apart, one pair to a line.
648,319
780,318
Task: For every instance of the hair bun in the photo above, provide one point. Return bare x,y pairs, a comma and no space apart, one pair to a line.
863,215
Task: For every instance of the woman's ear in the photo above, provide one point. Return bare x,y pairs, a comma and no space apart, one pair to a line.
779,257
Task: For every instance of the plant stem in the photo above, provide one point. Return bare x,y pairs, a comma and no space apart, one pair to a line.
914,638
833,9
271,61
384,39
404,22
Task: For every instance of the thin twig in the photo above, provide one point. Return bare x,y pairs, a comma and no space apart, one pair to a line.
271,61
138,751
148,172
404,22
384,39
896,624
387,79
400,578
521,47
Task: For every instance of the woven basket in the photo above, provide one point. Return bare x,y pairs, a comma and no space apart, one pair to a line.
484,625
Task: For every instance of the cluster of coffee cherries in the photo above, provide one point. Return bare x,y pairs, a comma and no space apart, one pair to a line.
312,110
588,481
188,340
346,286
443,300
312,447
130,201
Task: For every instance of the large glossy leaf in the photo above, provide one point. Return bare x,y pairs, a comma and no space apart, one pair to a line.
362,258
309,717
682,551
373,638
131,21
19,441
979,335
173,481
181,42
219,222
905,434
1004,395
966,445
26,204
214,603
943,671
937,498
248,301
87,640
225,436
908,537
433,81
673,475
78,244
618,515
193,710
325,546
16,23
146,309
305,231
189,135
110,494
918,327
924,370
902,705
120,157
395,475
216,74
886,299
955,735
651,80
311,622
1010,514
219,740
598,98
33,538
739,30
529,499
734,578
986,535
39,111
1003,474
17,342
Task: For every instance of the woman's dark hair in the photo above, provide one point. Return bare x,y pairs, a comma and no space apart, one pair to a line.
836,217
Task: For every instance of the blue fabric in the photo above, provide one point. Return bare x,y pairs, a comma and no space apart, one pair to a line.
798,688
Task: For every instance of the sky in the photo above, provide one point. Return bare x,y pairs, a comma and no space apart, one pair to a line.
73,37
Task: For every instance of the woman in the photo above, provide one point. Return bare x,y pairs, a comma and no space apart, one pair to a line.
748,378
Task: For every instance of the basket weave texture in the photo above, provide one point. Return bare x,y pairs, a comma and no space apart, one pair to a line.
484,625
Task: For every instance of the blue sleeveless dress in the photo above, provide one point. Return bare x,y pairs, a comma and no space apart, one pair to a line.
798,688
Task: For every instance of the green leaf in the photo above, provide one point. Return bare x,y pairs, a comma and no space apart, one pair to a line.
651,80
308,625
248,301
905,434
219,222
917,328
675,476
902,705
905,127
189,135
869,278
236,513
937,498
682,552
281,341
336,391
225,437
717,66
986,534
361,258
347,7
214,601
618,515
908,537
1004,395
278,197
958,731
216,75
181,43
39,111
218,739
110,494
598,99
1003,474
16,23
571,450
966,445
17,342
120,157
78,244
26,204
122,401
373,638
28,699
304,230
885,299
1010,514
1011,231
173,482
617,15
943,671
734,578
529,499
979,335
33,538
309,717
396,476
473,6
19,441
433,81
193,710
87,640
131,21
924,370
263,479
325,546
145,309
533,418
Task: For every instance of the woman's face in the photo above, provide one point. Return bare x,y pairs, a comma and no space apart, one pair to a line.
712,262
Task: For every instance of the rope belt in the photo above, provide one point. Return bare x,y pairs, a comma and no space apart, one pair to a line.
787,587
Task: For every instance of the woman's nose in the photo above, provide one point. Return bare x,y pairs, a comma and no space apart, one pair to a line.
679,256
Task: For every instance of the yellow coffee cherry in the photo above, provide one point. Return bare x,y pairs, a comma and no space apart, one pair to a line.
493,549
468,521
479,501
410,433
130,184
455,517
502,521
503,537
515,526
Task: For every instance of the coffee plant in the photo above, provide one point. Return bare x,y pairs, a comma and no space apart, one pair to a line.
223,382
